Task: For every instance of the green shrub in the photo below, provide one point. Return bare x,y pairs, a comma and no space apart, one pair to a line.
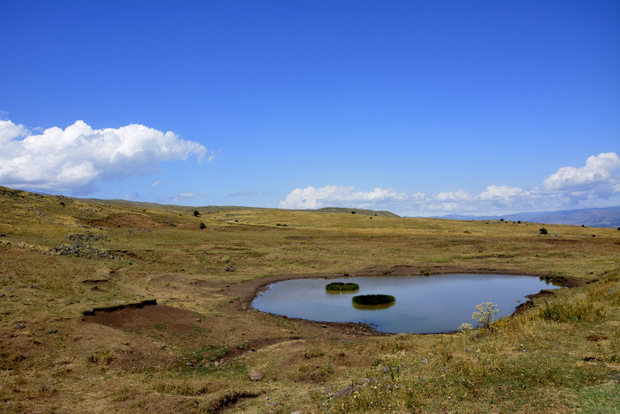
202,226
543,230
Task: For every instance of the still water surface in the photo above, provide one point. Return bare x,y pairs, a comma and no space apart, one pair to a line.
439,303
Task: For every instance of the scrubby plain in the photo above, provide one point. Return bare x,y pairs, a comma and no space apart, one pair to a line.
80,332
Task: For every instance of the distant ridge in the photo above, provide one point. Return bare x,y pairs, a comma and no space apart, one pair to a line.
203,209
591,217
361,211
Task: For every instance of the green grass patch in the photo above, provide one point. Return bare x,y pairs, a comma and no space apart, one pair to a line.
572,310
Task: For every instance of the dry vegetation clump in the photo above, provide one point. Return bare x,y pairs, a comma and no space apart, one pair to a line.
64,262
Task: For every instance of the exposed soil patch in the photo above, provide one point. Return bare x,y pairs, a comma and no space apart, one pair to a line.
567,281
95,281
227,401
145,315
542,294
523,307
176,326
595,338
529,304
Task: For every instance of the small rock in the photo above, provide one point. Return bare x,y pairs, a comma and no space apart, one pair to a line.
52,331
255,375
190,364
20,326
298,412
198,320
2,235
323,326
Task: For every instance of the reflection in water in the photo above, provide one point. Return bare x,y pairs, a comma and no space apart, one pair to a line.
438,303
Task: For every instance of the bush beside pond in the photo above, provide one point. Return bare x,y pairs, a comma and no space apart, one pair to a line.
342,287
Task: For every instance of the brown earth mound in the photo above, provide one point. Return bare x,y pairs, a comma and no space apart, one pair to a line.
144,316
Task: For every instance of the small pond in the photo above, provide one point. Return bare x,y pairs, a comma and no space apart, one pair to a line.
439,303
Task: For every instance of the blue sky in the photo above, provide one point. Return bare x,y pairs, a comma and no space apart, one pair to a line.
419,107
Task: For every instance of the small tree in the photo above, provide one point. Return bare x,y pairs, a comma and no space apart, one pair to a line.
202,226
196,213
543,230
485,314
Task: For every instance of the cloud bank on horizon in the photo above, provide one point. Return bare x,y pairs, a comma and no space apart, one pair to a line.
570,187
76,159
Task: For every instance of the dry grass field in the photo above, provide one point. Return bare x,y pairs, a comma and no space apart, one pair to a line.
108,306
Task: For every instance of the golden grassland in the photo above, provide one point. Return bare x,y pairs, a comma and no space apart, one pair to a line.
63,261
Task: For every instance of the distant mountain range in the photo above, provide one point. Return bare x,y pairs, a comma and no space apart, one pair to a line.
591,217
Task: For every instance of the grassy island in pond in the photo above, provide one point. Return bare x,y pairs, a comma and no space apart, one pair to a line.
342,287
373,301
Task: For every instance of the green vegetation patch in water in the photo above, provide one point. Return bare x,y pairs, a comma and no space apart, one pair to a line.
342,287
373,301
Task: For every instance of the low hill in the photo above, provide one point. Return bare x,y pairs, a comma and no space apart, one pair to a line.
591,217
356,211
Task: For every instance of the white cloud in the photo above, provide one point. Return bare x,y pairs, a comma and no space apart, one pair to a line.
9,131
596,175
500,192
185,196
333,195
569,187
76,158
452,196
